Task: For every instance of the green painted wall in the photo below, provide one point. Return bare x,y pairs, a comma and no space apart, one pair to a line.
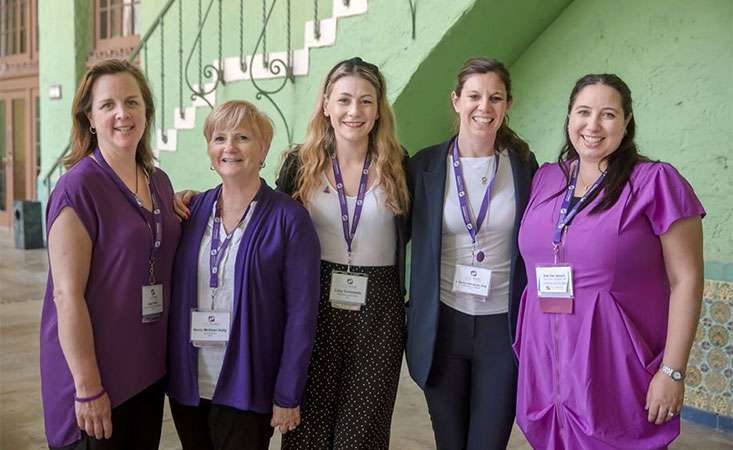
381,36
502,29
64,43
677,57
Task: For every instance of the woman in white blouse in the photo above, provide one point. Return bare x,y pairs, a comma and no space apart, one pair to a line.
468,196
349,175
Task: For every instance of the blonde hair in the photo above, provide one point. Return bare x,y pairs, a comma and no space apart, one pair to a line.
83,141
236,113
320,141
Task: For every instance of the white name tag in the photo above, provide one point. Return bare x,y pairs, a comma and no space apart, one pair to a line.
348,289
554,281
152,302
472,280
210,327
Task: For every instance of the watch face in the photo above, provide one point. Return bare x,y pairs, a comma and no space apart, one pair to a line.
676,375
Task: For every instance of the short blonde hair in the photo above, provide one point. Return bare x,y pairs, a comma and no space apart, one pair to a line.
237,113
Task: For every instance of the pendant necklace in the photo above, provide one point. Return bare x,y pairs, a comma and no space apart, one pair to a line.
139,202
485,178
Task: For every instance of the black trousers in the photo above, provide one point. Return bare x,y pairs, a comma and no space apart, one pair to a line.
471,390
136,424
218,427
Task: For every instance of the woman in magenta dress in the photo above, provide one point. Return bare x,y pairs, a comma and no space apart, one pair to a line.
613,248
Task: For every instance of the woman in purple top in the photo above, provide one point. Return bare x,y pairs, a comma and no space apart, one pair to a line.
613,249
112,235
245,299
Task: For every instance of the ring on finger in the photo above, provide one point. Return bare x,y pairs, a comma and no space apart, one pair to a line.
670,413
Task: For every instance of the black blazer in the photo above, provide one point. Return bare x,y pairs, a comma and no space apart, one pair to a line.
286,182
426,172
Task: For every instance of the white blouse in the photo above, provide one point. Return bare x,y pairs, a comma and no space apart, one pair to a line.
211,359
375,240
494,238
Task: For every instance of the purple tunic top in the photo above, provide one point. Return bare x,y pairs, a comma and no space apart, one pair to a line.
583,377
130,354
276,294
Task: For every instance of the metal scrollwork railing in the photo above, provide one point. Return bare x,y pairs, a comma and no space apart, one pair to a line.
201,79
316,22
216,74
275,66
413,14
242,59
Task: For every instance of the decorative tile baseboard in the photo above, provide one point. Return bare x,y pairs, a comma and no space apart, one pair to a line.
709,382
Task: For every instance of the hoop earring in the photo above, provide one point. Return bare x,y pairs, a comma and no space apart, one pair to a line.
92,130
262,164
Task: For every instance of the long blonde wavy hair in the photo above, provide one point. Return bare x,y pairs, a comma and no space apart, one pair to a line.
320,141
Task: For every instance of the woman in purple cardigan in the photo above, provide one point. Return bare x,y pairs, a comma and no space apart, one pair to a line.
245,297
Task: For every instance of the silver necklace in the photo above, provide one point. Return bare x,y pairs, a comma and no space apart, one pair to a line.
137,198
485,178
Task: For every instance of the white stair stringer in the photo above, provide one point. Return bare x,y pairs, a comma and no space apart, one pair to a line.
233,72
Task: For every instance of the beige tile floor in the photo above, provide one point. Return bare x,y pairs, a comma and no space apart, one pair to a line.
22,283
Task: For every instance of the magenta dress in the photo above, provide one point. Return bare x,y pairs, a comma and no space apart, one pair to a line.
583,377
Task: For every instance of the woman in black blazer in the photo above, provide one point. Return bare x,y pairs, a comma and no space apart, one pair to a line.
468,196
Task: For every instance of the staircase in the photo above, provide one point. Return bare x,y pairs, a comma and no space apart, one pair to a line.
198,53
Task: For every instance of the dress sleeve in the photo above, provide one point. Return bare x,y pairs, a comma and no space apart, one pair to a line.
70,192
536,186
668,197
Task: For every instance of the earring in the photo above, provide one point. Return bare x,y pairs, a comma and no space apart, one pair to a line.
211,167
92,130
262,164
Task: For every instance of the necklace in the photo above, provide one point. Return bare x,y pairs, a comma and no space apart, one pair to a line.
137,198
485,178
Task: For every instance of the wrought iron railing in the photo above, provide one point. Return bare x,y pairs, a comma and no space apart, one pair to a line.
201,79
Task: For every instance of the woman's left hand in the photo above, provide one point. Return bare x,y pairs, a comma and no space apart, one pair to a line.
663,397
285,418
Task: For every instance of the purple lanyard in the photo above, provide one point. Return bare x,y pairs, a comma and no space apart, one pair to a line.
566,213
218,250
349,235
463,198
156,228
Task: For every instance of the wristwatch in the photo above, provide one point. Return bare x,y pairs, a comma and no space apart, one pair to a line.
676,375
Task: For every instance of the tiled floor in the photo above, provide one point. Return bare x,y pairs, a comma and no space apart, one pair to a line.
22,282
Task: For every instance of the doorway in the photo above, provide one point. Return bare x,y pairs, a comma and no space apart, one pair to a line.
19,152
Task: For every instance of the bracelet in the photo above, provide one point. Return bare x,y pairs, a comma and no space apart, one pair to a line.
89,399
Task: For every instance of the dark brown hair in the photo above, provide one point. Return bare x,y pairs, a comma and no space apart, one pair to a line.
620,162
82,140
506,138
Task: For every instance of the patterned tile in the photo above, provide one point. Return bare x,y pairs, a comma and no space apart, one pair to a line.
710,370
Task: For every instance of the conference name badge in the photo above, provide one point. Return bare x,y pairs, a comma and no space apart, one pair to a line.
472,280
210,328
555,288
348,290
152,302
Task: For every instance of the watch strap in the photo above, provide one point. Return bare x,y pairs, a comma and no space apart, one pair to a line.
676,375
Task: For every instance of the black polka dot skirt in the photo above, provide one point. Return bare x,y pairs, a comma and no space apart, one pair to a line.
355,368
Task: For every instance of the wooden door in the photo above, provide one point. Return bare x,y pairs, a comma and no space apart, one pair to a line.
17,151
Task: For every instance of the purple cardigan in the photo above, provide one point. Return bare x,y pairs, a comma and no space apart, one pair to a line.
276,294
